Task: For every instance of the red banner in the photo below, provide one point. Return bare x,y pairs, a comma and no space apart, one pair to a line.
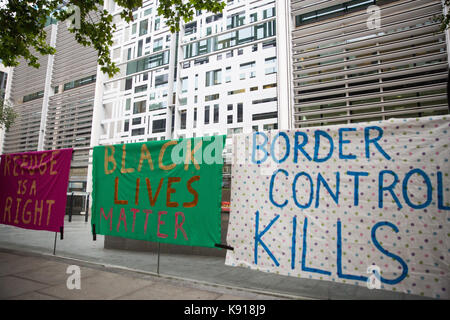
33,189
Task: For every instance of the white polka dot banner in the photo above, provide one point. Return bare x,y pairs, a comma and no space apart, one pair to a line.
365,204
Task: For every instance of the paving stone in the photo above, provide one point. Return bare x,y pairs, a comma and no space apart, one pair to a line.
104,285
11,286
55,273
33,296
164,291
21,264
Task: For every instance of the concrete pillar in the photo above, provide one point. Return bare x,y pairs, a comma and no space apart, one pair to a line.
47,89
284,59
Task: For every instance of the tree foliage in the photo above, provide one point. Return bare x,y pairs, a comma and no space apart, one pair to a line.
22,23
444,19
7,114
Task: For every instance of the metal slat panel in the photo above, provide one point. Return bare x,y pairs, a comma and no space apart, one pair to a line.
308,6
371,34
371,96
384,105
399,36
380,47
358,22
381,85
398,63
395,73
363,117
376,58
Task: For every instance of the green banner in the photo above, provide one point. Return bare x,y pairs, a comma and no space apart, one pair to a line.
162,191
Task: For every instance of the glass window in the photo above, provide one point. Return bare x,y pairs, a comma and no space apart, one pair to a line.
247,65
149,62
147,12
184,84
161,80
212,97
139,107
139,51
128,83
231,39
190,28
139,89
80,82
159,105
332,11
216,113
268,86
157,44
236,20
206,115
195,117
240,112
268,13
183,119
213,18
33,96
213,77
143,27
159,125
264,116
138,132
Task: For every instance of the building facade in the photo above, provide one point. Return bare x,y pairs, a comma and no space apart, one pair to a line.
258,65
218,75
365,60
341,62
54,103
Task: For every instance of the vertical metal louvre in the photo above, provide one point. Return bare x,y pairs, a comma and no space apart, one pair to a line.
345,72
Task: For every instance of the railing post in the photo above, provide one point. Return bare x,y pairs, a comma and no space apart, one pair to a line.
71,207
87,209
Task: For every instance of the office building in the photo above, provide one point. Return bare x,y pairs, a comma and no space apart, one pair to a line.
218,75
54,103
366,60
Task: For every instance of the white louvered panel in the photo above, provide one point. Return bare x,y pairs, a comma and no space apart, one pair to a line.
344,72
399,36
359,28
329,40
397,73
301,7
423,59
423,40
385,85
397,55
371,95
406,9
370,116
429,99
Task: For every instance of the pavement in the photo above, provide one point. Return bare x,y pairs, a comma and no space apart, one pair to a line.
28,276
30,270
